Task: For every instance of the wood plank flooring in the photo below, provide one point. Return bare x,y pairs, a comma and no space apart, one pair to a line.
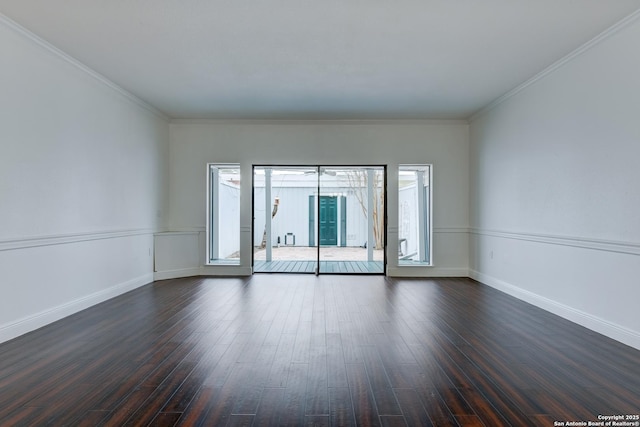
305,350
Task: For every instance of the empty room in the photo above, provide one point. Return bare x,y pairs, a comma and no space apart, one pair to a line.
319,213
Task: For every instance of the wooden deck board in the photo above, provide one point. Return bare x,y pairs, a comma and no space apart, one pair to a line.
332,267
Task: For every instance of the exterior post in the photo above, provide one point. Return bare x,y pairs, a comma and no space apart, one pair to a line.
370,238
267,211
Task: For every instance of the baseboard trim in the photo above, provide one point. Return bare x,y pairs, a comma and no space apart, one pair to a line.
205,270
225,270
229,270
412,271
176,274
35,321
611,330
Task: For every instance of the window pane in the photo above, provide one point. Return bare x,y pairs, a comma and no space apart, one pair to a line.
414,215
223,225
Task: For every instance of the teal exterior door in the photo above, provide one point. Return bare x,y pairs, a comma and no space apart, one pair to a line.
328,224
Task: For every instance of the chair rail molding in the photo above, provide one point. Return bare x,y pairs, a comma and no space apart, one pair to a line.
14,243
631,248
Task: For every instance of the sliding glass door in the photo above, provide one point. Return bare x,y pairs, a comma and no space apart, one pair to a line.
351,219
319,219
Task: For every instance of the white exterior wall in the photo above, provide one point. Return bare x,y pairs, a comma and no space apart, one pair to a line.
555,205
83,178
293,215
229,241
408,202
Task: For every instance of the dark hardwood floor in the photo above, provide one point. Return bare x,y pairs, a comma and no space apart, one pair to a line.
305,350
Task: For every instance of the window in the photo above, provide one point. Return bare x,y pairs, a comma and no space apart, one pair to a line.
223,214
414,215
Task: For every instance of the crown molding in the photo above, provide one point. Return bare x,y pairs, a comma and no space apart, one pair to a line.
415,122
19,29
620,25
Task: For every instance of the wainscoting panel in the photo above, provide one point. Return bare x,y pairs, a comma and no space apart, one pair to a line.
593,283
47,278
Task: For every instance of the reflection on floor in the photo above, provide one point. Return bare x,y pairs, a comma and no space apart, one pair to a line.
298,266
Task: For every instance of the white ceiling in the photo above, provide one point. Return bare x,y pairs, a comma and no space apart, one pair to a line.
330,59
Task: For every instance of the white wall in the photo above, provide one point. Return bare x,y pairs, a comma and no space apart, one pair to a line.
555,199
83,175
444,144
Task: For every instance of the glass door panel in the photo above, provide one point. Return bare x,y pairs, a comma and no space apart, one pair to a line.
351,214
284,235
320,219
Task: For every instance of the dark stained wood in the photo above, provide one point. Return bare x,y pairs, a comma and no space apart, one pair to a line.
94,418
316,421
392,421
270,407
364,405
336,371
474,421
240,421
414,412
380,386
129,405
455,402
439,413
341,407
199,407
279,372
293,403
304,350
317,394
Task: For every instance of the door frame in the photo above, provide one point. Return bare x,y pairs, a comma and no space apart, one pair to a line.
318,168
341,226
